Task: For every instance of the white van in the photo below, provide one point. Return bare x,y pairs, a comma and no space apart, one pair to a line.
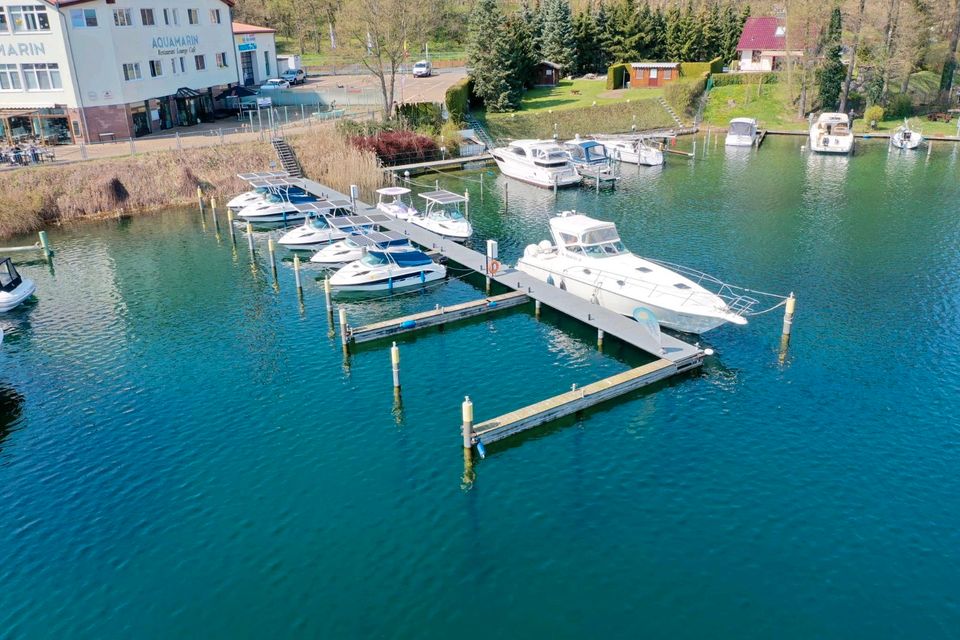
422,69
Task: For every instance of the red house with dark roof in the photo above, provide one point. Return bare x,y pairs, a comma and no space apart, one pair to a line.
763,45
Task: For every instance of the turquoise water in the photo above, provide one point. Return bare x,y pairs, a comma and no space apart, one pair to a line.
184,450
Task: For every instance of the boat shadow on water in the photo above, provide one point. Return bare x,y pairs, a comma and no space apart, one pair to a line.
11,410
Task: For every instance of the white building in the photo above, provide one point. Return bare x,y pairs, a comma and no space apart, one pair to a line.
763,45
93,70
257,53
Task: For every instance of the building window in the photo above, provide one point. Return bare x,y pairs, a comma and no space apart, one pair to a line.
156,68
266,62
653,74
755,56
171,16
9,78
76,129
179,65
29,18
146,17
131,71
221,60
667,74
4,25
201,62
122,18
81,18
214,16
41,76
193,16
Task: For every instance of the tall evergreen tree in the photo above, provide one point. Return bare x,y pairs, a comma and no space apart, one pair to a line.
490,58
658,29
558,42
832,72
587,44
674,33
602,21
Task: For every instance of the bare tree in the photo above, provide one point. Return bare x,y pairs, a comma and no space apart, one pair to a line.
380,30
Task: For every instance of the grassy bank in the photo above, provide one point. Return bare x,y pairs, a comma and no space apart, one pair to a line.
31,198
619,117
576,94
769,104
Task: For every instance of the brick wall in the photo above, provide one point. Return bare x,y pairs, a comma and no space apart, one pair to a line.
109,119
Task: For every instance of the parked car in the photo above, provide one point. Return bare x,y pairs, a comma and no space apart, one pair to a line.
422,69
294,76
274,83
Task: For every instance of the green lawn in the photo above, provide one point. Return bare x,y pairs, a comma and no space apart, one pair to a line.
563,97
925,126
769,104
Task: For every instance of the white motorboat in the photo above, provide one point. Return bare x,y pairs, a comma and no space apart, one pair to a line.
259,192
272,209
381,270
318,228
442,215
14,289
831,133
905,137
634,151
590,261
397,207
539,162
351,248
742,133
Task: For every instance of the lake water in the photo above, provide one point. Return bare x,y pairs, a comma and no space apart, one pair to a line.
185,452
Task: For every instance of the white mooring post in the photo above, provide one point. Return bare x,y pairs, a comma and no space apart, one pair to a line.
233,237
296,274
467,429
45,245
536,309
344,328
326,293
250,237
600,339
354,195
395,363
213,214
200,198
787,326
271,251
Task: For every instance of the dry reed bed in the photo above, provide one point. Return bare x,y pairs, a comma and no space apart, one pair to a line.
33,197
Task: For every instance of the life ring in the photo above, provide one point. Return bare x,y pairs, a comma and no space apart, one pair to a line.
493,267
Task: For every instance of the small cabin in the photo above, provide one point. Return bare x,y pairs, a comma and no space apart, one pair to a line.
546,74
653,74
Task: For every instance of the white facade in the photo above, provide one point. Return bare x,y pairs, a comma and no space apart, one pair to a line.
256,54
116,69
760,60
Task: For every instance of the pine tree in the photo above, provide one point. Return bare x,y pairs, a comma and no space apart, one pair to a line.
674,32
587,44
730,32
658,29
523,46
490,57
558,43
602,21
832,72
644,42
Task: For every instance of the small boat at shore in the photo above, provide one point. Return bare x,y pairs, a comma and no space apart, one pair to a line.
324,224
590,261
542,163
14,289
905,137
831,133
742,133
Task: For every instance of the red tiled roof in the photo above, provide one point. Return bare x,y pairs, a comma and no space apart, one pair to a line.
239,27
760,33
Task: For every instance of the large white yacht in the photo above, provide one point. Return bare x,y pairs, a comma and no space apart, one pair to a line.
636,150
590,261
742,133
442,215
540,162
831,133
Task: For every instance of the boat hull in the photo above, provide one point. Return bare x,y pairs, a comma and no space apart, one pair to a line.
624,305
832,145
388,280
10,300
303,238
734,140
537,176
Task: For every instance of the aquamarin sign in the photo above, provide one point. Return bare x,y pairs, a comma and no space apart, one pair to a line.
167,45
22,49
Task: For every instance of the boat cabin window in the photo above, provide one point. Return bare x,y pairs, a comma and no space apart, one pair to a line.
568,239
374,259
596,152
319,222
603,234
9,278
519,151
552,158
680,285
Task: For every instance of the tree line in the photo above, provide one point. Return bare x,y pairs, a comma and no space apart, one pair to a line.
503,47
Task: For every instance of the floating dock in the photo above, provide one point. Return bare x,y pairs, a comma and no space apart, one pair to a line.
449,163
672,356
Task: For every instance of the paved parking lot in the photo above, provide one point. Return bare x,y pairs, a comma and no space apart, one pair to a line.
408,88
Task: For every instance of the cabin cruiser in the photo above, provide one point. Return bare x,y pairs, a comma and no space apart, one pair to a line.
14,289
590,159
351,248
905,137
322,225
540,162
443,217
742,133
590,261
831,133
397,207
379,270
634,151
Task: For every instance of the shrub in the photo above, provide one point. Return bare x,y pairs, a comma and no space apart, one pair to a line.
615,75
900,106
727,79
458,100
421,115
682,95
397,147
697,69
872,115
451,136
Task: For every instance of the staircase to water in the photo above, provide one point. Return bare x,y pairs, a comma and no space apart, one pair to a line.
288,159
669,109
480,131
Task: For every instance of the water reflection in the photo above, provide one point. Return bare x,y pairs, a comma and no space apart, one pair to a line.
11,409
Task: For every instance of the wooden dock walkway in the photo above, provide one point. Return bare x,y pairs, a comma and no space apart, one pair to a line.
436,317
448,163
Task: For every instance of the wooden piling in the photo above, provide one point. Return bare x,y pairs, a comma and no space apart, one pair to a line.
536,309
790,306
45,245
213,214
233,237
273,257
326,293
466,410
600,339
395,363
200,198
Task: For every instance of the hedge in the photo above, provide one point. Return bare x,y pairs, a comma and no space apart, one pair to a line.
682,95
615,75
618,117
418,115
697,69
458,99
727,79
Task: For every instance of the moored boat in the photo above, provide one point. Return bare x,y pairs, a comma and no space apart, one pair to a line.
382,270
636,150
539,162
390,200
318,228
443,217
831,133
351,248
14,289
742,133
905,137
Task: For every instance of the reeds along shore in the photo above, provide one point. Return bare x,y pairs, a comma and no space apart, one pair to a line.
31,198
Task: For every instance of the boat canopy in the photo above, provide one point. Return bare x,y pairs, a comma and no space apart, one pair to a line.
589,151
262,175
379,239
413,258
321,207
743,126
442,197
393,191
582,234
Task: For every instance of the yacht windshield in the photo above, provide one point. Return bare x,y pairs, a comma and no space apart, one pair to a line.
603,234
604,250
741,129
320,222
274,198
374,259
